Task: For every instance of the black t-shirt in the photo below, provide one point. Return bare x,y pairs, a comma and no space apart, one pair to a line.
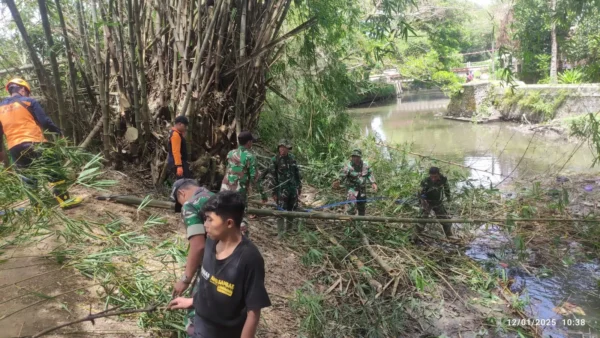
228,288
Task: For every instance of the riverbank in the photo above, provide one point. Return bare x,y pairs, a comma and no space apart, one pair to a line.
326,278
529,104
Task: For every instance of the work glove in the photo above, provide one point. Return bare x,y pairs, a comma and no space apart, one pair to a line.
179,171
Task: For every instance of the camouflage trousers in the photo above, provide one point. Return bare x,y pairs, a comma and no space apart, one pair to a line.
356,195
287,199
440,213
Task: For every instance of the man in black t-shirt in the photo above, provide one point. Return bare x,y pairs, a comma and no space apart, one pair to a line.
231,285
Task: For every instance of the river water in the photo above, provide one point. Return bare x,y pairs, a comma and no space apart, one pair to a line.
493,147
502,150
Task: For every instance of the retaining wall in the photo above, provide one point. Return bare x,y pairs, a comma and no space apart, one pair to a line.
536,103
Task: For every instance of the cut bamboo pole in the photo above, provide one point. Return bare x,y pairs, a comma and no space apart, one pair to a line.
132,200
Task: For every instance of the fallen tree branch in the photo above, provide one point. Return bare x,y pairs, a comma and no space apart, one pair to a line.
92,317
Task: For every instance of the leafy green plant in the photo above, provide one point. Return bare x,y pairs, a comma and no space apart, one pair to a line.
571,76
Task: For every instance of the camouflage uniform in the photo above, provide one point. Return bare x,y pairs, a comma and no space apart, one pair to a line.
193,219
286,182
432,198
356,177
241,171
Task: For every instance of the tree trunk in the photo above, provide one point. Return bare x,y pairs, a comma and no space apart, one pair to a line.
72,71
55,71
37,64
101,85
554,59
134,77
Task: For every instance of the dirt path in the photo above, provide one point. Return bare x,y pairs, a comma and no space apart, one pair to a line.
37,293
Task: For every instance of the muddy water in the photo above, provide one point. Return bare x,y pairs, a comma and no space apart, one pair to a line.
499,149
494,147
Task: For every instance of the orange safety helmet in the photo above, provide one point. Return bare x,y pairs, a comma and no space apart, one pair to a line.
19,82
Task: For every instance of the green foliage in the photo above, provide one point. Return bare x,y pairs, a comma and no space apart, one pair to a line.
322,319
588,128
310,305
571,76
532,28
533,102
369,92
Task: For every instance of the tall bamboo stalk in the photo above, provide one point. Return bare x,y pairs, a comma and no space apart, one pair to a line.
55,71
134,77
101,85
84,41
37,64
141,71
72,71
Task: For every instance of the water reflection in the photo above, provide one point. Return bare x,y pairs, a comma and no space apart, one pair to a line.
493,149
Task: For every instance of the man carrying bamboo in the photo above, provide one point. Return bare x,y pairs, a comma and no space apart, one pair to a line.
189,200
355,174
286,182
241,171
23,122
433,190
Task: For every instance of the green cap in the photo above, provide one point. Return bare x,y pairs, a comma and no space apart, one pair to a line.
357,152
285,142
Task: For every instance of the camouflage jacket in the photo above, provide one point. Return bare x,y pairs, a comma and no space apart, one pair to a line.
241,170
357,176
191,212
435,191
285,173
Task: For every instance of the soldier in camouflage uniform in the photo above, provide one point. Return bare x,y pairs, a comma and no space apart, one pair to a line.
189,199
355,174
286,182
241,171
433,190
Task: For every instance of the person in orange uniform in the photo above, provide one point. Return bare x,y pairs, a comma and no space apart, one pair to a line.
23,122
177,159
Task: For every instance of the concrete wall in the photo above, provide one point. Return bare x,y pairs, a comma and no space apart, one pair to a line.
471,101
490,99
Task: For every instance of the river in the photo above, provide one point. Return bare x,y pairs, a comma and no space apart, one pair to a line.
501,150
494,147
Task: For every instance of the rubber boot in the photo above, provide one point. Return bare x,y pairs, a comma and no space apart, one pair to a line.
62,196
448,230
